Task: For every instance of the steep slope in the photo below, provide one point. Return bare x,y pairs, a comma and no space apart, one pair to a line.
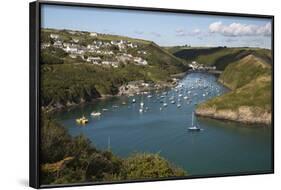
219,56
250,98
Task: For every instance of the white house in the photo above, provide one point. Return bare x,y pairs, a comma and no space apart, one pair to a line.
73,56
140,61
71,49
94,60
54,36
75,40
65,44
93,34
45,45
58,44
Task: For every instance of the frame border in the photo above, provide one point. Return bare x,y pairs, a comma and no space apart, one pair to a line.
34,89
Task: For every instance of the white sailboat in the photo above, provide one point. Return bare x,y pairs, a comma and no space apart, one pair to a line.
193,127
141,107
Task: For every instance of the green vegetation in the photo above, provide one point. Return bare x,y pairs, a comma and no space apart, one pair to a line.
149,166
219,56
73,83
85,37
52,55
65,160
250,81
242,72
66,81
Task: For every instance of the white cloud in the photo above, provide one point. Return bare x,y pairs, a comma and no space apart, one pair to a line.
196,31
156,34
182,32
238,29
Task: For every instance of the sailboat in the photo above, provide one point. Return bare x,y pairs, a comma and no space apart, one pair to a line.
193,127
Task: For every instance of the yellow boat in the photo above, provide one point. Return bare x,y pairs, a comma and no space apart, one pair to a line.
83,120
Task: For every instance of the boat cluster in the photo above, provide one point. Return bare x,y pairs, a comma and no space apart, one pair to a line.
183,93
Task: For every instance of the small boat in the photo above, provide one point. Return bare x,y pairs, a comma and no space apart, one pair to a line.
134,100
194,127
149,96
140,110
185,97
82,121
104,109
178,105
165,104
123,103
96,114
180,95
141,104
173,102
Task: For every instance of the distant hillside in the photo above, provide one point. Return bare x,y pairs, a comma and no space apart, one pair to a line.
250,98
218,56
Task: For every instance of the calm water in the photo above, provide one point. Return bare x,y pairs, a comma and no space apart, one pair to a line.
222,147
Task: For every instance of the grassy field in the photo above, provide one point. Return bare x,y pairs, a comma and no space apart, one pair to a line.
250,81
85,36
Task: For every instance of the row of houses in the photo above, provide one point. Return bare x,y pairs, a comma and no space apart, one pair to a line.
200,67
98,47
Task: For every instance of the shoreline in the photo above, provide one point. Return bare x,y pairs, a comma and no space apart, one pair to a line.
71,105
252,118
243,115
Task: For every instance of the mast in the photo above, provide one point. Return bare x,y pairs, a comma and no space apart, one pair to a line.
108,143
192,118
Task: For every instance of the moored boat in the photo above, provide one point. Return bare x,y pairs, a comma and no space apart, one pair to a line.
96,114
82,121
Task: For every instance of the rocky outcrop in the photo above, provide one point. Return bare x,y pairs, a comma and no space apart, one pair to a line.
244,114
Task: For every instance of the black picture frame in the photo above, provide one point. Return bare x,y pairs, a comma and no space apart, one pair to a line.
34,89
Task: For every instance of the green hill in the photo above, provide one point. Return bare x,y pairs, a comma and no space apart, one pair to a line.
219,56
250,98
67,81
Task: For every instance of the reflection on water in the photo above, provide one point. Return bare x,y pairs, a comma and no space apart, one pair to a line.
222,147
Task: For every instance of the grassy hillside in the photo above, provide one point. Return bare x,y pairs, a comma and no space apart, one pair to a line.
250,98
242,72
65,160
84,36
71,83
219,56
67,81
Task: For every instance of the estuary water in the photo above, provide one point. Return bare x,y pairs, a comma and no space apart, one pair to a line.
161,126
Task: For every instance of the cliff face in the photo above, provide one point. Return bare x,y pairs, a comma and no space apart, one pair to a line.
244,114
250,98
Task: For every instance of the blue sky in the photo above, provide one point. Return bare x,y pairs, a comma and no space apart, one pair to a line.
166,29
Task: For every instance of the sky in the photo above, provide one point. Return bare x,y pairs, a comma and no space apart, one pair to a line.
165,29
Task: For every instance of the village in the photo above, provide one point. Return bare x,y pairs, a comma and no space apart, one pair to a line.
195,66
99,52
